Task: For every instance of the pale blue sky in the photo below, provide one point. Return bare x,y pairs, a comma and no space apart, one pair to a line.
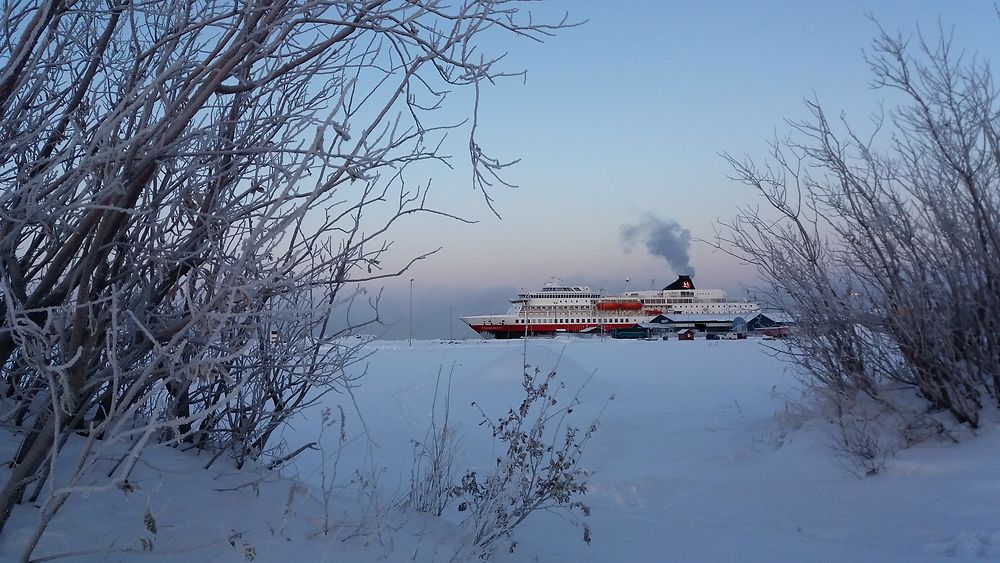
626,115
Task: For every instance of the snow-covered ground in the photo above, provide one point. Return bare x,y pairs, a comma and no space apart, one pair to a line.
702,455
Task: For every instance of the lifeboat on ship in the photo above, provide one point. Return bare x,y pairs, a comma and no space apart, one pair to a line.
619,306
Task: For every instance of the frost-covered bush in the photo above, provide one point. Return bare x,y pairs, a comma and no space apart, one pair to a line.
539,468
886,251
190,189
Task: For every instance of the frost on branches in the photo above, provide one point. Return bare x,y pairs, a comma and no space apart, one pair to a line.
887,251
188,190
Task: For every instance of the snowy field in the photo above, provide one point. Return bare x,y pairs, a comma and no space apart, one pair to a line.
702,455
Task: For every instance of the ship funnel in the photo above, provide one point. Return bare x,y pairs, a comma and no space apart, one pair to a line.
683,282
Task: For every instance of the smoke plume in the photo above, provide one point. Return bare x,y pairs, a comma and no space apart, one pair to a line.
666,239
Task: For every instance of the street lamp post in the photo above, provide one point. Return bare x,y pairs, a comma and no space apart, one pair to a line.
409,341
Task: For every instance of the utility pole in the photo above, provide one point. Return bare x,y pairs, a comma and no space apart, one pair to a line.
409,341
450,335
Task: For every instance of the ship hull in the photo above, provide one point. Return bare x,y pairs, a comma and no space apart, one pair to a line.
505,331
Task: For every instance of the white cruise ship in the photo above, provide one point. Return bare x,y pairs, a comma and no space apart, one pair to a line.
559,308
